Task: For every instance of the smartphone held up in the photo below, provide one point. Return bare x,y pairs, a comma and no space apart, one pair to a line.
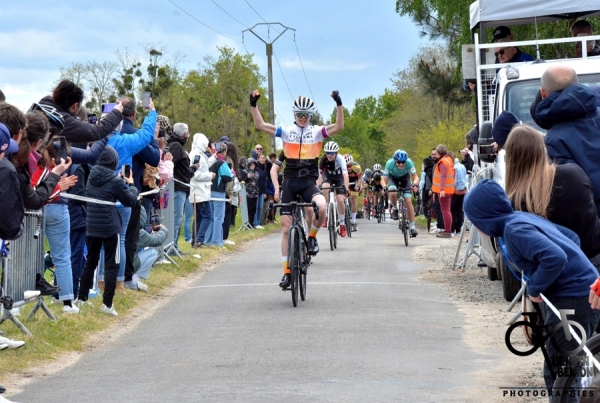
146,99
126,171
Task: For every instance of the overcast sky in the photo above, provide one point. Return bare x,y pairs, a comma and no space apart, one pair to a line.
353,46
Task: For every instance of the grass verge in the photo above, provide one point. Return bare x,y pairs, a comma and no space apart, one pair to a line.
69,333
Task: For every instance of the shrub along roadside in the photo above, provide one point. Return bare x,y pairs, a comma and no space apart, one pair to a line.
69,333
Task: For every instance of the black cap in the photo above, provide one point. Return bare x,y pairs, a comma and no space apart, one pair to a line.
501,33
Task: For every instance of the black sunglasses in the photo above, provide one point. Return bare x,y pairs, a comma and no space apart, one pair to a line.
500,52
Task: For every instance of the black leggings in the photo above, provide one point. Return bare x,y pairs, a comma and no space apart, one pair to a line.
111,267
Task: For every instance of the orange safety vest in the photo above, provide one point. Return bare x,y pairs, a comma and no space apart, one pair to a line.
437,176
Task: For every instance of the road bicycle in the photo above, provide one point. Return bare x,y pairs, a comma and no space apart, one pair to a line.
380,208
333,225
298,257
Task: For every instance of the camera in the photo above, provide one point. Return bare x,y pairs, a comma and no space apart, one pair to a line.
146,99
155,222
126,171
60,143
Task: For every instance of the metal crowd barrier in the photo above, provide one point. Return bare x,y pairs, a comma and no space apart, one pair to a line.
19,269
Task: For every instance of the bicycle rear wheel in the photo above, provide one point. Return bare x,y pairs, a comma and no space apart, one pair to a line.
347,219
578,385
293,261
405,224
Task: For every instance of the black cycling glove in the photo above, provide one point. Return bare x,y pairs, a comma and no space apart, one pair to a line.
254,99
336,97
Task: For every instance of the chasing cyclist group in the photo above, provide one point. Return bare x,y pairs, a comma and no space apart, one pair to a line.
305,174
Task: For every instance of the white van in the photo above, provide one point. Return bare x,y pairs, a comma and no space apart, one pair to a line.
514,86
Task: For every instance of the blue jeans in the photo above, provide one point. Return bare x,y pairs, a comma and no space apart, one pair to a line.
57,230
147,259
180,198
259,206
203,220
188,213
214,233
125,213
584,315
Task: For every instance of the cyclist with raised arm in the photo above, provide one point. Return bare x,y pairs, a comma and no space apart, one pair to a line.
302,144
355,176
397,175
333,173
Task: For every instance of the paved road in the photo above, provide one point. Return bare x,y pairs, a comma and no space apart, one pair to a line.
369,330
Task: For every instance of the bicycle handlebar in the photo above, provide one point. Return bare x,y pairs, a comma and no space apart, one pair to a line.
294,204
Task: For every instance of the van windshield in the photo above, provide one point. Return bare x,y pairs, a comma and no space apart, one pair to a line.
520,95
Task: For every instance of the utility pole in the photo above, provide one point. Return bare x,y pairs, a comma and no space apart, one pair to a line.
270,69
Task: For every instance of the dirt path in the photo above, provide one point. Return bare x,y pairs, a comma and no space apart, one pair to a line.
482,303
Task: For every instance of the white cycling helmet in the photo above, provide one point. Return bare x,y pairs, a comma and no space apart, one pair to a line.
348,158
377,167
304,104
331,147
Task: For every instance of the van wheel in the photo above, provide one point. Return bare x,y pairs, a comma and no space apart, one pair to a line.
510,285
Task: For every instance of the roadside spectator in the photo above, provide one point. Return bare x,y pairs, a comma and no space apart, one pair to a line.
584,28
229,193
235,201
224,139
252,190
510,54
460,190
502,127
164,171
200,188
67,98
258,150
270,213
536,186
104,225
149,155
550,258
2,97
11,225
443,187
147,255
242,169
261,170
439,225
182,173
467,160
214,233
569,109
126,146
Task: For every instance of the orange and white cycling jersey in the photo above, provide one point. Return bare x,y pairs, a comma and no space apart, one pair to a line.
302,146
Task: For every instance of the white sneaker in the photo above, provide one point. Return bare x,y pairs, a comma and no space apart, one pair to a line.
228,242
80,304
109,311
141,286
434,230
259,227
8,343
31,294
70,309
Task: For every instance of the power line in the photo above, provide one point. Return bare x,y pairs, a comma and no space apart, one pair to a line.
303,71
261,17
216,4
279,115
286,83
211,28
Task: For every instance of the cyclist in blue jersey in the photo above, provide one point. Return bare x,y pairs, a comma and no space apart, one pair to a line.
397,174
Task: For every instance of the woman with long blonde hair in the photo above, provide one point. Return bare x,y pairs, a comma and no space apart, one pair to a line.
561,193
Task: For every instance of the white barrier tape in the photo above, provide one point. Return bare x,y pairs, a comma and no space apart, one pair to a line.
212,198
97,201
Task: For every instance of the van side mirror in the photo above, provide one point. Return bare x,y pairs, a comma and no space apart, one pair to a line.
486,151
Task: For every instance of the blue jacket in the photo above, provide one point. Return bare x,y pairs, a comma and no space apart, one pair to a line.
149,155
548,254
127,145
574,134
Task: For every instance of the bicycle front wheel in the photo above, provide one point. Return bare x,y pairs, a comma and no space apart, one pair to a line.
304,263
347,219
293,263
331,226
582,381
